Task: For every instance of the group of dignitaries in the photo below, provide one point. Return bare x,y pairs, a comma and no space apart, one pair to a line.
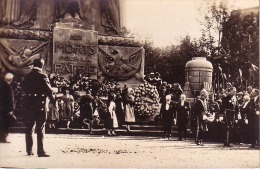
178,111
240,116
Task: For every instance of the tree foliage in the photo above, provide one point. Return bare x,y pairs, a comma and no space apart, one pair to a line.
230,40
240,40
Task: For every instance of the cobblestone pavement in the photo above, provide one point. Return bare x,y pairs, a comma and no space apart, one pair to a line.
125,151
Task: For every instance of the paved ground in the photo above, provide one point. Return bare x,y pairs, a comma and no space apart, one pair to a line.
125,151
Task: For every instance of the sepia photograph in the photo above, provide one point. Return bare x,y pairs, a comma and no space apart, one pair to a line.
129,84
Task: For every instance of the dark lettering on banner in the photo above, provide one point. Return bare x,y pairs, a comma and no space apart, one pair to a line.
71,68
69,48
74,59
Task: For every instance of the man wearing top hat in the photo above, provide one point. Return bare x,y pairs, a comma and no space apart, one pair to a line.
37,87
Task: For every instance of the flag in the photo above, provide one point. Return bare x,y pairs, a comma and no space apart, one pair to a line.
224,76
220,69
240,73
254,67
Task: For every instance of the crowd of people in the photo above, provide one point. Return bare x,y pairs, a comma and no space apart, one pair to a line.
83,102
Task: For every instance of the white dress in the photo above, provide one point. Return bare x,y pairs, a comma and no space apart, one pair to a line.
111,109
129,112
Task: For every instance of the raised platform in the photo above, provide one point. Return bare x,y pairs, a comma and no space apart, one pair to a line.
136,129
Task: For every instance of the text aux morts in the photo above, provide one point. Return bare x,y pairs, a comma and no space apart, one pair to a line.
76,54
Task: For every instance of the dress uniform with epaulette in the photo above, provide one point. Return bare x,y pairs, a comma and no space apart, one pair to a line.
37,87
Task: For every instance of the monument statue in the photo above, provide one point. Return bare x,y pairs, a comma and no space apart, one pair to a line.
110,16
28,14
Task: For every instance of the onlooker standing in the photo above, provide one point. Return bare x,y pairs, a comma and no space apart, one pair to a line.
37,87
167,114
66,108
176,92
86,111
6,106
52,113
243,122
214,109
230,107
111,121
129,108
200,110
119,107
183,110
253,117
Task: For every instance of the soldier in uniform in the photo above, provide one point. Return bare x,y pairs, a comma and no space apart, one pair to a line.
200,110
37,87
253,117
230,107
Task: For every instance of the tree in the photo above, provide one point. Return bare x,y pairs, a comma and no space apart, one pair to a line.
213,22
241,42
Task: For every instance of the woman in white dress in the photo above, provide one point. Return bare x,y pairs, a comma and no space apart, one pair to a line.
129,108
111,121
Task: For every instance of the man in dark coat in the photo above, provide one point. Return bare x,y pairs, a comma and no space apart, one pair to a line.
167,114
183,110
231,109
253,117
6,106
86,111
37,87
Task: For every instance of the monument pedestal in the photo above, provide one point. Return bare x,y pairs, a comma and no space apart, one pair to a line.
74,49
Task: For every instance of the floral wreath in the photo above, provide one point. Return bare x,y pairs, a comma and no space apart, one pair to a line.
146,100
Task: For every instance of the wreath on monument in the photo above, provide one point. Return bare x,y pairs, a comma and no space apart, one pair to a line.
146,100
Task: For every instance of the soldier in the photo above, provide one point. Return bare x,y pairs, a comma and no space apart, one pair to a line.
37,87
230,107
253,117
200,111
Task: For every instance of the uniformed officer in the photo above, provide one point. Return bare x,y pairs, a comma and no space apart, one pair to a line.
231,109
200,111
37,87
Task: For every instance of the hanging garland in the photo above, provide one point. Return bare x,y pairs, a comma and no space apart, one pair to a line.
146,100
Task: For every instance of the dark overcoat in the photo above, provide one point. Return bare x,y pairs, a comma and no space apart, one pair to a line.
37,87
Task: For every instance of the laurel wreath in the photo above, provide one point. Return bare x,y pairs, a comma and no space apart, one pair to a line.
146,100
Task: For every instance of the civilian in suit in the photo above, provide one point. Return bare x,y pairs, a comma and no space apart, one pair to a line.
200,110
183,110
37,87
230,107
253,117
167,114
243,120
6,106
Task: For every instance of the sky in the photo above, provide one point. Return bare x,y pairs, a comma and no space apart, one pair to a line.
166,22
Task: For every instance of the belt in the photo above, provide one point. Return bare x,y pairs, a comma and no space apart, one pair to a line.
35,95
